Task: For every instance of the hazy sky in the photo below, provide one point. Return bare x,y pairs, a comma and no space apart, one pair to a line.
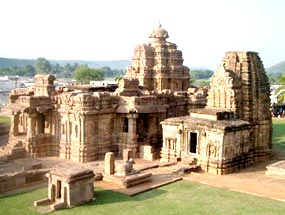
110,29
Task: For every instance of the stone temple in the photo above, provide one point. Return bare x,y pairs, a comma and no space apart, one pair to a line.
235,128
149,113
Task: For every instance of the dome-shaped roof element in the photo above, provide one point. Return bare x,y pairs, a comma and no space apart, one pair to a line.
159,33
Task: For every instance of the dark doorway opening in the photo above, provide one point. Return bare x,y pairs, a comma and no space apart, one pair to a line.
58,189
126,125
192,142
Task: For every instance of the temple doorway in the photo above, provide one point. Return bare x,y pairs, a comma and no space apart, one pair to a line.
192,145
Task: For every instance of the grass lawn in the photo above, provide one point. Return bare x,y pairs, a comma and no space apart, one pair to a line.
179,198
182,197
4,119
278,134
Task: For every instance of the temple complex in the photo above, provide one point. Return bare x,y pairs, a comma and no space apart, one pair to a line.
228,127
83,123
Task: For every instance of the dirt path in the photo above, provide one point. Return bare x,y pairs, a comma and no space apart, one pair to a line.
251,180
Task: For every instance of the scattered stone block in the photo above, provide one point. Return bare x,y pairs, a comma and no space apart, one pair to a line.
109,163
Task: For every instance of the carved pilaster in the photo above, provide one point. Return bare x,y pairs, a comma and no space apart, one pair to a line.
15,123
132,123
82,129
31,125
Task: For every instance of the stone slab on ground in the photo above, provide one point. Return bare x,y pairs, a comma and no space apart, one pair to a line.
156,181
276,169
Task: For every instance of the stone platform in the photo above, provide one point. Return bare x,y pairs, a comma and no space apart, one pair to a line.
157,180
276,169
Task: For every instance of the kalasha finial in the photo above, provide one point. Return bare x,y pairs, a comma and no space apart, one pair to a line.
159,24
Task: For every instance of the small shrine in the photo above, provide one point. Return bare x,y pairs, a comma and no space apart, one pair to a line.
68,188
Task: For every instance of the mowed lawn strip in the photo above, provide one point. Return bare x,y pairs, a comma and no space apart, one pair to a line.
178,198
278,134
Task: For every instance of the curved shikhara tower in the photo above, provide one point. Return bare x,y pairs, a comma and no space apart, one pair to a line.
241,85
158,65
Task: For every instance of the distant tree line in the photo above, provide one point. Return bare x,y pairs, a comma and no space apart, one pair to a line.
200,77
43,66
201,74
27,70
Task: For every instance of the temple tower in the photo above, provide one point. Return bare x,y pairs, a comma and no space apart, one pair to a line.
158,65
241,85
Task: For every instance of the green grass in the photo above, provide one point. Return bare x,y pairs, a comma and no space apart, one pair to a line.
4,120
278,134
179,198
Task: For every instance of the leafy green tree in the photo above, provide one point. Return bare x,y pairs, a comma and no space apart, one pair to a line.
43,66
280,89
29,70
26,70
83,74
272,80
56,69
203,83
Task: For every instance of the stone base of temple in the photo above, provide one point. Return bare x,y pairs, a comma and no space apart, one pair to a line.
129,180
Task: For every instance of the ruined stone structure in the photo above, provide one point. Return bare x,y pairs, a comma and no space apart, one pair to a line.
83,123
235,129
68,187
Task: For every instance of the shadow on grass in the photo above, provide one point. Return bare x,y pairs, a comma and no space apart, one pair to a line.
109,197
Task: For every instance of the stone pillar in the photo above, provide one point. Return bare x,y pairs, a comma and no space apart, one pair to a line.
132,123
31,125
132,142
15,124
82,129
126,154
109,163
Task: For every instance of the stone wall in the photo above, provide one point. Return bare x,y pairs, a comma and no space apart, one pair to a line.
220,146
4,133
21,179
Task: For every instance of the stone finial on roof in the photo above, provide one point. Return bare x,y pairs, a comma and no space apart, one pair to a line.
159,33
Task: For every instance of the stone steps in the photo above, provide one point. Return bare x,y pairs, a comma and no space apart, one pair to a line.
13,150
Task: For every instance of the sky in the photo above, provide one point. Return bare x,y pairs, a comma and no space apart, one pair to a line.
110,29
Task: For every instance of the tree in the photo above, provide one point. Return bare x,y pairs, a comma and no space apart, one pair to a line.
201,74
281,89
43,66
272,80
83,74
29,70
56,69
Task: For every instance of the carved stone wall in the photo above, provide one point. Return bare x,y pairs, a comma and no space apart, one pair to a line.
241,85
221,146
